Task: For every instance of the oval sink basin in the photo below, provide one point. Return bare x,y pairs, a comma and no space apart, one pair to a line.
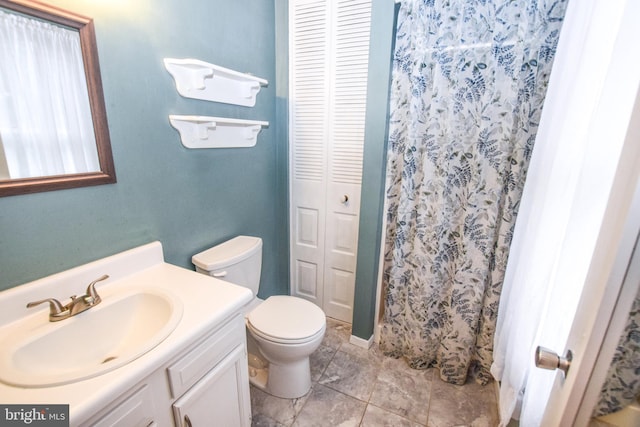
120,329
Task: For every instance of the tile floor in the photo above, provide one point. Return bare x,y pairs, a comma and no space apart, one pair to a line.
356,387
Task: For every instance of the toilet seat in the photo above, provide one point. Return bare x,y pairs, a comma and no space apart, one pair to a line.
287,319
277,340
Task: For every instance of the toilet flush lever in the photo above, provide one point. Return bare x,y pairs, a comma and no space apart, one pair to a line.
220,274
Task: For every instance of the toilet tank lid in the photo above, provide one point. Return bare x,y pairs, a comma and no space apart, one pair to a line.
230,252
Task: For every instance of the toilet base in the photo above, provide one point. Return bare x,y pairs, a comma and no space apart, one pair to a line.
287,382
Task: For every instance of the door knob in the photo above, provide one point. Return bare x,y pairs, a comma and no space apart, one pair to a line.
548,359
344,199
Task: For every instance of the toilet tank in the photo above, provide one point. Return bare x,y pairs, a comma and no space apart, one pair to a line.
238,261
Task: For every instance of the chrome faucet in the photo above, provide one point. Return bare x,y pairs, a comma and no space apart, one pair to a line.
77,305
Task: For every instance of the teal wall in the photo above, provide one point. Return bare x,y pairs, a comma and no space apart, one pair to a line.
373,176
187,199
192,199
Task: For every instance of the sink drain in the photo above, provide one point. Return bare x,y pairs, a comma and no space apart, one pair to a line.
109,359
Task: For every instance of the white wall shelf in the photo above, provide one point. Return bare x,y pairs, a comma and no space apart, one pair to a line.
216,132
201,80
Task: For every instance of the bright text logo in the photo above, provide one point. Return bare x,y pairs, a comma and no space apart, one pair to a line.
34,415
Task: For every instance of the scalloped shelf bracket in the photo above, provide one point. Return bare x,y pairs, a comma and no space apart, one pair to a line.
201,80
216,132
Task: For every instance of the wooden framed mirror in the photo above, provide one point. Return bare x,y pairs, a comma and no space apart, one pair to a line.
96,141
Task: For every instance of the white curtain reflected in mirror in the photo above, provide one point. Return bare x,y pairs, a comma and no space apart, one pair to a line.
53,123
46,126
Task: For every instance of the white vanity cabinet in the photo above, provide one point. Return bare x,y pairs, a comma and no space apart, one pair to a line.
211,382
192,372
206,385
217,398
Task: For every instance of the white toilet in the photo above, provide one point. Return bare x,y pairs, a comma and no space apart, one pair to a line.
283,329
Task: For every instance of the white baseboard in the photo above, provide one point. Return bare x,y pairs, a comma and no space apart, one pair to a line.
357,341
376,332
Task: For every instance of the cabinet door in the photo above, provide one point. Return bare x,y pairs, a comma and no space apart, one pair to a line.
221,398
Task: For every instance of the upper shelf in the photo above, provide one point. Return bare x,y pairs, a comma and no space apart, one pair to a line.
201,80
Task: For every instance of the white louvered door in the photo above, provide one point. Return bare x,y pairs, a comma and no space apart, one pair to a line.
329,48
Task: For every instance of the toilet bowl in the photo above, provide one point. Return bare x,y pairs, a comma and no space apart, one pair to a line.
283,330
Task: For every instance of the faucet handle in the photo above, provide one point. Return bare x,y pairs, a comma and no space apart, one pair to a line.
91,289
56,310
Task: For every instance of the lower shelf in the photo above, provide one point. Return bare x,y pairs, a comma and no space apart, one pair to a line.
216,132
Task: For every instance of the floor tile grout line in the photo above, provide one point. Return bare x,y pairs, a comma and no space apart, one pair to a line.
394,413
370,394
338,337
295,417
368,401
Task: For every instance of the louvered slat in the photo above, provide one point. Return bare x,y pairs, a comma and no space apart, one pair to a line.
309,89
349,90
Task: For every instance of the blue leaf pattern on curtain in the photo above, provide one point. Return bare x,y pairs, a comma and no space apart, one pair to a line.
622,385
469,79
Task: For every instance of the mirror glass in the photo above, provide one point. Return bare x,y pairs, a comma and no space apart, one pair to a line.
53,126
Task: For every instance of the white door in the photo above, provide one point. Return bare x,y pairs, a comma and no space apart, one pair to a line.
329,48
576,225
613,277
599,321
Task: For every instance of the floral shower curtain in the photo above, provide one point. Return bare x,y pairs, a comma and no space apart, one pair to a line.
469,79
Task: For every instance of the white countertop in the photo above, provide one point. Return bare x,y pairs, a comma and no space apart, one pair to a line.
207,303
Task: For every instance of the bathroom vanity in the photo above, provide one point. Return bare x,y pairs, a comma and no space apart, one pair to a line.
165,347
